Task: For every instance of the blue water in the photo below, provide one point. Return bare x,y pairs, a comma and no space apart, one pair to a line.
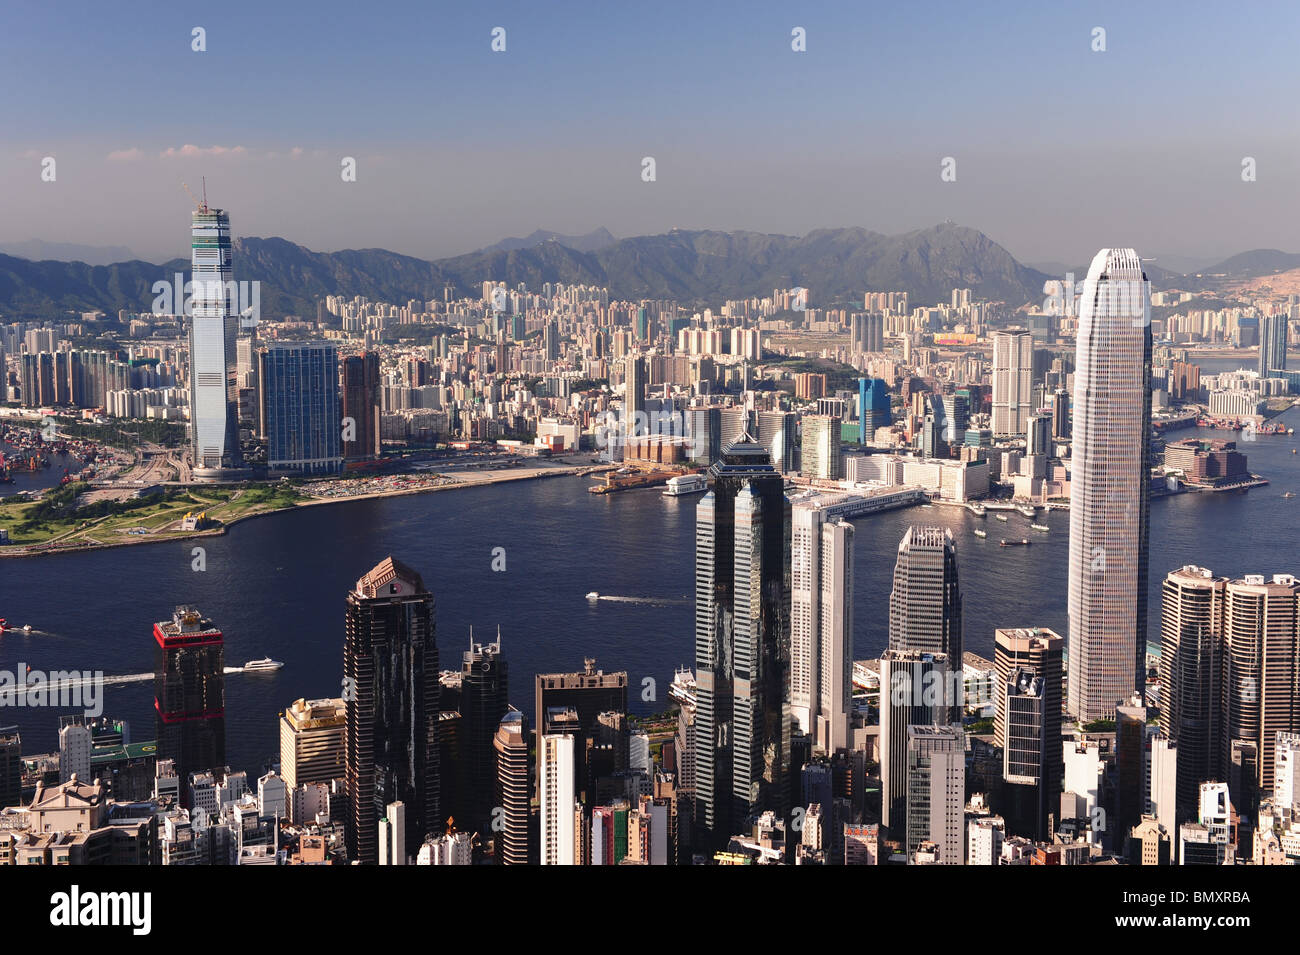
276,586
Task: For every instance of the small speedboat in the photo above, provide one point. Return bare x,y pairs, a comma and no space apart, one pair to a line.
593,596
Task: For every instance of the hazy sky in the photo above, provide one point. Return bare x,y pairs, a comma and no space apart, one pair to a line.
1059,150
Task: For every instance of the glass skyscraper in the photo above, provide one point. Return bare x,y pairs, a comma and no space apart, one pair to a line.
214,326
742,643
1110,486
299,389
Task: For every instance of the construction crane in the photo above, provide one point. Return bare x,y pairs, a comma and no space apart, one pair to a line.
200,205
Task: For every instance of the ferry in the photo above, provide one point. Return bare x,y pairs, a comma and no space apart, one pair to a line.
981,533
266,663
593,595
1023,540
1040,527
686,484
1001,517
1026,510
979,510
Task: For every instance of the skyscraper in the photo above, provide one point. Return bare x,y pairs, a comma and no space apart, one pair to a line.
925,602
11,767
936,792
484,700
586,694
778,432
1261,672
634,381
742,643
1272,344
822,455
873,408
189,693
390,675
512,802
1110,484
312,734
298,388
821,626
1013,359
214,326
914,686
1191,692
1027,726
555,773
360,406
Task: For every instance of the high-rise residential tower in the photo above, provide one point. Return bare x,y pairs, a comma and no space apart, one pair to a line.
512,792
391,688
1110,484
1013,362
555,773
821,626
214,327
1272,344
742,643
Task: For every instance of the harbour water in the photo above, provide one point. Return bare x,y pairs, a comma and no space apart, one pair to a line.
275,586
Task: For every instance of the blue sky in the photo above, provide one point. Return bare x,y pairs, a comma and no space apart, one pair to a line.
1059,149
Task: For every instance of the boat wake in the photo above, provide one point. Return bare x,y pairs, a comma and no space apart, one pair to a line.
648,601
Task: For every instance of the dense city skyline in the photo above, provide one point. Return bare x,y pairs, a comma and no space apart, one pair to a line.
889,460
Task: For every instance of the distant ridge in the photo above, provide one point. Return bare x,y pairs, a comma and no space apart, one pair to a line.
592,241
693,267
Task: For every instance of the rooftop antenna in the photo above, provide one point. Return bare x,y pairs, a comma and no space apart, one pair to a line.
205,193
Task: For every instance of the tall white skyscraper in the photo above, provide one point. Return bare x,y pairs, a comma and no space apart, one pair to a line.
1110,487
1013,363
214,327
821,626
556,771
936,792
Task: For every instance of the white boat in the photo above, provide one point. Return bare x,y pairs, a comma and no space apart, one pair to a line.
980,533
1001,517
1040,527
593,596
978,510
1025,510
266,663
686,484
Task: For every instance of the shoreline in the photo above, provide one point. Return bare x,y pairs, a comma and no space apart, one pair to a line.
485,478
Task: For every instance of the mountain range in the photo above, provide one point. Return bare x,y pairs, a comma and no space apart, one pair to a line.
700,267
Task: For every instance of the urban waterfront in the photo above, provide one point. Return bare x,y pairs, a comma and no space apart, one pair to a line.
275,586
